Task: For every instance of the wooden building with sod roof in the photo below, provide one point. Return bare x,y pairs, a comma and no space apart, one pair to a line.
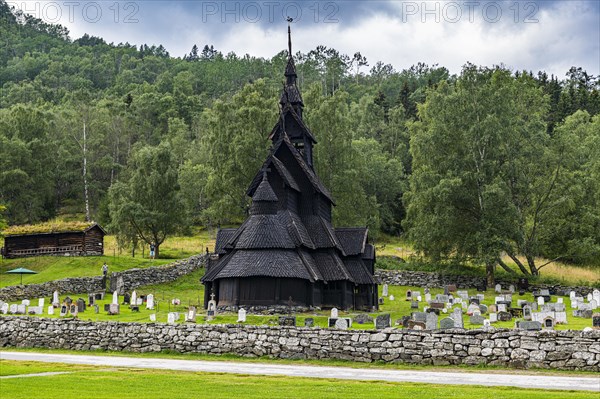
287,251
54,238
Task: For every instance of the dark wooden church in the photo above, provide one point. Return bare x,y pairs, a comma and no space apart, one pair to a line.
287,251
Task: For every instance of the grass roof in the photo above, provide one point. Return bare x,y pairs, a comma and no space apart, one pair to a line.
48,227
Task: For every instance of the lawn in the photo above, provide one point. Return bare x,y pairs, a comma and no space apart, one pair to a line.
59,267
103,383
190,291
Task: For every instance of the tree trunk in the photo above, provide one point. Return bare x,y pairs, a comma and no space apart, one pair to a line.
505,266
518,263
531,264
85,182
156,250
489,273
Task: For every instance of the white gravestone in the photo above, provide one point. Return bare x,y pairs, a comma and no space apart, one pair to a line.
428,297
486,323
419,299
25,302
21,309
493,317
572,295
391,297
498,288
593,304
191,315
171,318
241,315
590,297
574,303
50,310
41,302
502,307
596,295
559,300
334,313
153,317
55,299
134,298
150,301
115,298
384,290
12,309
4,308
540,300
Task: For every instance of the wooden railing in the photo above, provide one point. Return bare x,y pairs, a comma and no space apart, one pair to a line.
44,251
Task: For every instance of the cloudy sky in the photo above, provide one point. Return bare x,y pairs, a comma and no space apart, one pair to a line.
531,35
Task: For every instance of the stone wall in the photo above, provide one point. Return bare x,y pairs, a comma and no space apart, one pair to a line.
565,350
73,285
134,278
439,280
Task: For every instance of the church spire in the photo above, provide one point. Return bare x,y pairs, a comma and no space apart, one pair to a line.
291,94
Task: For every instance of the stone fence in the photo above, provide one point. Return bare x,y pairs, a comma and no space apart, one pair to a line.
134,278
439,280
73,285
565,350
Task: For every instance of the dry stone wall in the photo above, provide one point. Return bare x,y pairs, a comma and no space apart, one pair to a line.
439,280
73,285
134,278
565,350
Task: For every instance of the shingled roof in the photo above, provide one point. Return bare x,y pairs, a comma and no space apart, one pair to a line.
352,239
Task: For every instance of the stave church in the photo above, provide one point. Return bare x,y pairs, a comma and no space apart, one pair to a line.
287,252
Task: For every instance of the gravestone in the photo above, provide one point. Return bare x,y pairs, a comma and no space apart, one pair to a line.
483,308
114,309
99,296
334,313
530,325
107,307
288,321
516,312
55,299
115,298
80,305
384,290
309,322
474,300
441,298
134,298
12,309
415,295
596,321
493,317
91,299
431,321
414,305
41,302
540,300
409,295
504,316
596,295
73,309
481,298
446,323
416,325
63,310
26,302
380,300
153,317
572,295
452,288
419,298
560,317
21,309
391,297
476,319
492,308
559,300
463,294
35,310
548,323
589,297
68,301
472,308
521,302
96,309
126,298
523,284
427,297
404,321
4,308
458,318
341,324
560,307
150,301
241,315
527,312
191,315
211,310
383,321
593,304
50,310
486,323
498,288
511,288
501,307
363,318
498,299
437,305
171,318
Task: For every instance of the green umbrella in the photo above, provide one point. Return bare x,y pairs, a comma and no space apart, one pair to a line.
21,271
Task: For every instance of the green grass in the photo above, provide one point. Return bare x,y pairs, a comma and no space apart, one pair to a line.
191,292
100,383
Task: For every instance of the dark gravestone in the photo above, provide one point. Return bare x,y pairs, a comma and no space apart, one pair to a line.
99,296
309,322
126,299
81,305
476,319
331,322
289,321
437,305
474,300
446,323
483,309
107,307
587,313
73,309
409,295
596,321
432,310
446,292
414,305
405,320
363,318
523,284
63,310
91,299
68,301
452,288
383,321
419,316
381,301
516,312
135,308
504,316
530,325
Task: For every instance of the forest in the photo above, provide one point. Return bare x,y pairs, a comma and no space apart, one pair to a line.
477,166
